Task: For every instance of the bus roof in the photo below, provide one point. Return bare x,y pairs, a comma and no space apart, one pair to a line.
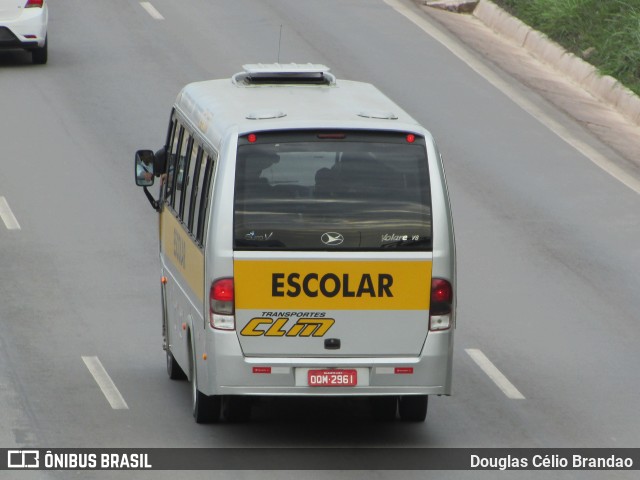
288,96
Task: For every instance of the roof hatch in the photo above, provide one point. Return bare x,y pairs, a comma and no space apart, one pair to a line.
284,74
378,115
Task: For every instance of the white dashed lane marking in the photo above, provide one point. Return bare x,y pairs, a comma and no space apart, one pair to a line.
105,383
151,10
494,374
7,215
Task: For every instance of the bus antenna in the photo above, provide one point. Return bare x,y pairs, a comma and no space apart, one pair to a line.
279,43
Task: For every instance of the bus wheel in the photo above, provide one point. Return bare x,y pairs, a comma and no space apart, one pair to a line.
173,369
384,408
413,408
206,408
236,408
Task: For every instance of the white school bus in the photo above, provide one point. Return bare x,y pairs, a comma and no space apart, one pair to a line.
306,244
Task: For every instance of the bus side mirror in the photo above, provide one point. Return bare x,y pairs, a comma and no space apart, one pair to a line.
144,168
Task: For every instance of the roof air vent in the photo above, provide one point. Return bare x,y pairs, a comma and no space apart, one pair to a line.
265,115
257,74
379,115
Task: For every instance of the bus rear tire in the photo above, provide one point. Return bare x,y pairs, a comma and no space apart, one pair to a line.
413,408
173,369
206,408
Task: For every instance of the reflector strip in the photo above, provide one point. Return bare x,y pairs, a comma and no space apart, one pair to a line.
403,370
261,369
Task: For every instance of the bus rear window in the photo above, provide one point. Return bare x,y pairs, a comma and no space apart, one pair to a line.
332,191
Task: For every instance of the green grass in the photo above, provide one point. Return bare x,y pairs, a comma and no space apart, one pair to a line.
609,29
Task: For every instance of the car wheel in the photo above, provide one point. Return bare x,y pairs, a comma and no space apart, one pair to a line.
39,55
413,408
384,408
206,408
173,369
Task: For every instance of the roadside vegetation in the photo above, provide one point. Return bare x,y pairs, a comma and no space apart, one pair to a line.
605,33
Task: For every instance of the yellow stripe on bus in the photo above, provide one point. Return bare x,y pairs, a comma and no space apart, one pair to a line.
183,253
332,285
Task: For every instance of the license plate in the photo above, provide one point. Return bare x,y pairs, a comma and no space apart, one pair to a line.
332,378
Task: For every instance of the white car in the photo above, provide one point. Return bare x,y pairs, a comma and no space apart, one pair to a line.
23,24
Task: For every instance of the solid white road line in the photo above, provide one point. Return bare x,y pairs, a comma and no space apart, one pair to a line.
494,374
151,10
560,130
7,215
105,383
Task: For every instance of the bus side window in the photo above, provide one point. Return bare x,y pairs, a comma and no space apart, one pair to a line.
172,164
202,199
182,179
194,186
171,136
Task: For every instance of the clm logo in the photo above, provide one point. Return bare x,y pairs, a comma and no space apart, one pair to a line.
304,327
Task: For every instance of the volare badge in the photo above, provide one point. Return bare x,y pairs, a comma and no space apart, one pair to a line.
332,238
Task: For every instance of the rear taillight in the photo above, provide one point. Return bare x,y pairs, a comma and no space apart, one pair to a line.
221,304
441,304
34,4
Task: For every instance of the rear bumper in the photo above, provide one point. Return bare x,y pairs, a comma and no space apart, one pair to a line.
28,31
233,374
8,41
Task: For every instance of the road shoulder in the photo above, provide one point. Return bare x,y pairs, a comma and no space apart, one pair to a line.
601,118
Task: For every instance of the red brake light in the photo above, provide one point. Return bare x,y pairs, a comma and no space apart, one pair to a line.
332,136
441,297
34,4
222,290
441,290
221,304
252,138
411,138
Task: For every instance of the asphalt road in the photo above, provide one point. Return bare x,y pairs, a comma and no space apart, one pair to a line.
548,243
